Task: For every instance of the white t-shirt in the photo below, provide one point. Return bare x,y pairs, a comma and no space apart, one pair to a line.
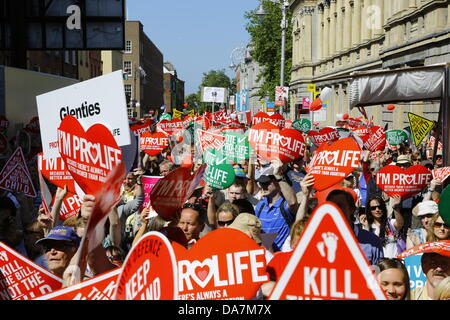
390,248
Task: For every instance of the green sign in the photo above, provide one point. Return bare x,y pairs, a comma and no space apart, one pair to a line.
236,146
166,116
444,205
219,176
302,125
396,137
214,157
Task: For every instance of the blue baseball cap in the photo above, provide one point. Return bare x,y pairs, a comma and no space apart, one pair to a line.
62,234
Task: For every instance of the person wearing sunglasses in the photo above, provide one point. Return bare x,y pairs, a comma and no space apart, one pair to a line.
226,214
438,229
436,268
393,278
425,211
59,246
388,230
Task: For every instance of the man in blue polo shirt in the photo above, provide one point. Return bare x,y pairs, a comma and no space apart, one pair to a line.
278,206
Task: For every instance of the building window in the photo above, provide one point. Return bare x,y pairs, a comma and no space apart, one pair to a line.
128,46
66,56
127,65
130,113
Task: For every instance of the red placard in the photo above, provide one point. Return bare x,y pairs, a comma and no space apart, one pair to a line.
260,117
271,143
361,131
171,192
441,247
89,155
101,287
153,144
332,163
214,269
15,175
55,171
210,140
441,174
354,123
375,140
203,122
278,120
327,263
149,271
171,127
21,278
139,129
406,183
325,135
70,206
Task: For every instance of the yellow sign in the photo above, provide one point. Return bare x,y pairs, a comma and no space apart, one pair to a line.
191,113
311,87
316,94
420,127
177,114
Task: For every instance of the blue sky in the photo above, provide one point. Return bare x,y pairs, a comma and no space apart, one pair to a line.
195,35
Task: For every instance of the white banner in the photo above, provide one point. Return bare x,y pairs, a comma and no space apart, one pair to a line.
216,95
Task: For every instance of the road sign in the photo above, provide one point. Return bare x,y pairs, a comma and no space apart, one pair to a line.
327,263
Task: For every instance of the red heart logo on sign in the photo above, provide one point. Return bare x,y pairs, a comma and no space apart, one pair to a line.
332,163
153,144
89,155
260,117
271,143
406,183
212,268
325,135
375,140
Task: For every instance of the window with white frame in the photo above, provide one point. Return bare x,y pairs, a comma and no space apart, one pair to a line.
128,46
130,113
128,90
128,65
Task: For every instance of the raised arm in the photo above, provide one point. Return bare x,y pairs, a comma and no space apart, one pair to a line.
399,221
286,189
306,185
59,198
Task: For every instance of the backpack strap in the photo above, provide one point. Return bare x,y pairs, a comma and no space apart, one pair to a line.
286,216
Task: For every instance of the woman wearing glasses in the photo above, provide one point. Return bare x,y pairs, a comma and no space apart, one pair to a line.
394,279
388,230
438,229
226,214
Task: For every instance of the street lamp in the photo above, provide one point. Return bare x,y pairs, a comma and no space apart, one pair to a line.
284,26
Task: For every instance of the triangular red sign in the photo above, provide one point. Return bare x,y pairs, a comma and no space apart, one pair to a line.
327,263
210,140
15,175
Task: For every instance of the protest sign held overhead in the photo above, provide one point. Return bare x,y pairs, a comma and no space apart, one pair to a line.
327,263
148,182
236,146
210,140
150,271
325,135
70,206
396,137
375,140
55,171
22,279
97,101
89,155
98,288
278,120
154,144
420,127
441,174
260,117
302,125
271,143
171,192
171,127
361,131
441,247
332,163
214,269
219,177
406,183
139,129
15,175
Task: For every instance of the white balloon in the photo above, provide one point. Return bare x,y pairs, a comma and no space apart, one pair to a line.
340,116
326,94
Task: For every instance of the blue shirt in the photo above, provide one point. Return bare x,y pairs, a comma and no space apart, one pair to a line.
272,220
295,178
370,244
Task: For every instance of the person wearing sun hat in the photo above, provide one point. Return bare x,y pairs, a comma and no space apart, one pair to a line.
403,161
425,211
60,245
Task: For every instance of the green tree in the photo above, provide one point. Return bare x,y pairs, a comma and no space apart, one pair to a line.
193,100
265,33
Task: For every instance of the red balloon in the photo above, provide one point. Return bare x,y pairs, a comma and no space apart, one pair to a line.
316,105
391,107
345,116
186,105
180,139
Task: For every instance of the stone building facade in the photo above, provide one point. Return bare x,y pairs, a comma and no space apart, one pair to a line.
338,37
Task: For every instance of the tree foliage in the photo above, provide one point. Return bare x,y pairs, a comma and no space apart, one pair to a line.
265,33
216,78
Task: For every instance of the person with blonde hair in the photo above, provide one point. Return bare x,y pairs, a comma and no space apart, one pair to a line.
442,291
438,230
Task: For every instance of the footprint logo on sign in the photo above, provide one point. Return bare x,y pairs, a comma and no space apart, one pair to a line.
328,246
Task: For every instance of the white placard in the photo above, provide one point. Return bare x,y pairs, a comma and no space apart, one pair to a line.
211,94
99,100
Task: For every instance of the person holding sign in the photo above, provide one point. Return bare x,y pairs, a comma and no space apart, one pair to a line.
426,210
192,222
